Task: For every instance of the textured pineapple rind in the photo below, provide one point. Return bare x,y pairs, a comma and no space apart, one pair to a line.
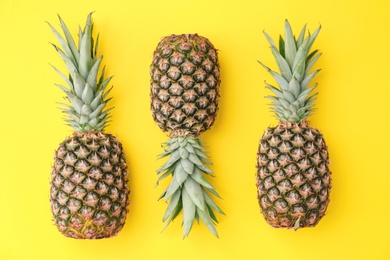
184,84
188,190
89,192
293,178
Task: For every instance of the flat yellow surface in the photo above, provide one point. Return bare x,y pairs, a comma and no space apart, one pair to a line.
352,112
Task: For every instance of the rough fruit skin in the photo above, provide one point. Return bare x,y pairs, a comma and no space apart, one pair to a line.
293,178
184,84
88,188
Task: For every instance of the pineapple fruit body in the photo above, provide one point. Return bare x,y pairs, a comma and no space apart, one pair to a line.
89,193
184,93
89,180
184,84
293,177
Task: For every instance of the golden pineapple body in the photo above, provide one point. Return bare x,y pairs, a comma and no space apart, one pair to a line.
184,84
89,193
293,176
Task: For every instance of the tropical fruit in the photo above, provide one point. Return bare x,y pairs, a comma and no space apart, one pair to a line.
184,93
88,187
293,177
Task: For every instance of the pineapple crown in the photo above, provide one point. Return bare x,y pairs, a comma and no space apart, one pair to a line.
86,93
292,101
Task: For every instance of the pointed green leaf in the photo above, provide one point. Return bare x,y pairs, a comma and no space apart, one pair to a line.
97,100
83,119
306,81
87,95
172,188
68,62
195,192
288,96
174,214
314,37
205,217
63,44
183,153
86,110
214,192
199,178
70,40
283,84
97,111
299,65
311,63
281,47
180,173
67,81
85,49
92,77
189,148
187,165
79,83
172,205
211,203
284,68
188,212
290,45
195,159
294,87
175,156
270,40
166,174
301,36
76,103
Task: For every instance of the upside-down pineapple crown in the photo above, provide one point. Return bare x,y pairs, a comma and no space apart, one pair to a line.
293,101
86,93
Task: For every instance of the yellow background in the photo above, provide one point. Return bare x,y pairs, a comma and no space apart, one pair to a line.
352,112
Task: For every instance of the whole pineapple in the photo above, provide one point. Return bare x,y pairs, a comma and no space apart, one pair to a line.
293,178
88,188
184,102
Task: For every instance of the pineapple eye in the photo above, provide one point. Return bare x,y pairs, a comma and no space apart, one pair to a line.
163,65
298,209
166,51
196,57
164,83
281,204
174,73
176,59
273,192
95,172
101,187
187,68
104,203
265,202
186,82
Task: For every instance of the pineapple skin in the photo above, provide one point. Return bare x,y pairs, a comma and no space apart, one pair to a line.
293,178
185,79
88,188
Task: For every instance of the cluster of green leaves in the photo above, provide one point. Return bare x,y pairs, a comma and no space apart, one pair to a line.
86,93
292,101
189,189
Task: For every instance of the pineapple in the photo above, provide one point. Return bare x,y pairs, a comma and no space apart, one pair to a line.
184,102
293,177
88,188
